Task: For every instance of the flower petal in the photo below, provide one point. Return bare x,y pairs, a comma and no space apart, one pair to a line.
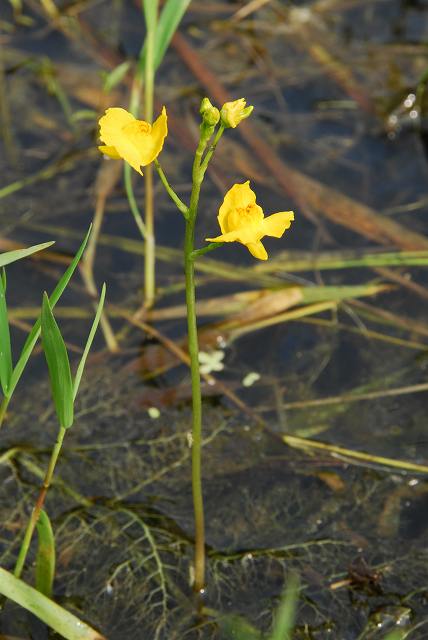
111,124
257,250
239,196
277,223
129,152
158,134
232,236
146,139
111,152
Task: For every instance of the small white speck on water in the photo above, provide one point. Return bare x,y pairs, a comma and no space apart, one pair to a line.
250,379
153,412
409,101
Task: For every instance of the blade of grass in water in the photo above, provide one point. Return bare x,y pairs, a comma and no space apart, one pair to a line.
89,341
58,365
35,331
359,456
150,8
57,618
45,558
284,618
172,13
18,254
5,350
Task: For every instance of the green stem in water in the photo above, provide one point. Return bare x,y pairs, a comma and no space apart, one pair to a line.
189,266
39,505
134,104
190,213
212,148
127,177
3,408
170,191
151,15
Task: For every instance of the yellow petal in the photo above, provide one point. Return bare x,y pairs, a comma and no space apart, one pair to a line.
111,124
277,223
257,250
111,152
129,152
232,236
238,197
159,133
147,140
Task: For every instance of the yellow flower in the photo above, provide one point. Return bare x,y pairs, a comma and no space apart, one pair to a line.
233,112
135,141
242,220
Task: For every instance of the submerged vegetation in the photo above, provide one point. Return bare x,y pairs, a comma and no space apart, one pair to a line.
258,472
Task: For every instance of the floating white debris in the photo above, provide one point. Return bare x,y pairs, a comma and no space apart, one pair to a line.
153,412
250,379
211,361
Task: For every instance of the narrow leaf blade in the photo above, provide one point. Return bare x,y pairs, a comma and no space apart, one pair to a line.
150,9
89,341
5,347
18,254
35,331
57,618
169,19
58,365
285,616
45,558
116,76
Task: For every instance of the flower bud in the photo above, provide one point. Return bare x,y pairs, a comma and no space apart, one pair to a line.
210,114
233,112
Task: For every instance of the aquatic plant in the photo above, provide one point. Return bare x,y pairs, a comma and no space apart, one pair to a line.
241,220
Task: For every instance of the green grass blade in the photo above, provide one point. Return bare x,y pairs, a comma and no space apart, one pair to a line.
45,558
397,634
35,331
5,348
58,365
18,254
150,10
235,627
116,76
284,619
89,341
57,618
169,19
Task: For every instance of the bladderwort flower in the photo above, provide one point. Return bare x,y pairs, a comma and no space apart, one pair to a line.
242,220
135,141
232,113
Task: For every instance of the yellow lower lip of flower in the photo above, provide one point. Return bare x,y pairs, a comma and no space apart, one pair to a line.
242,220
135,141
110,152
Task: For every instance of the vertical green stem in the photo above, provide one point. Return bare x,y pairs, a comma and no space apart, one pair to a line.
3,408
198,505
39,504
149,77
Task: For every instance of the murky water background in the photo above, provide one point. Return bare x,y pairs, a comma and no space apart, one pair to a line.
328,81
